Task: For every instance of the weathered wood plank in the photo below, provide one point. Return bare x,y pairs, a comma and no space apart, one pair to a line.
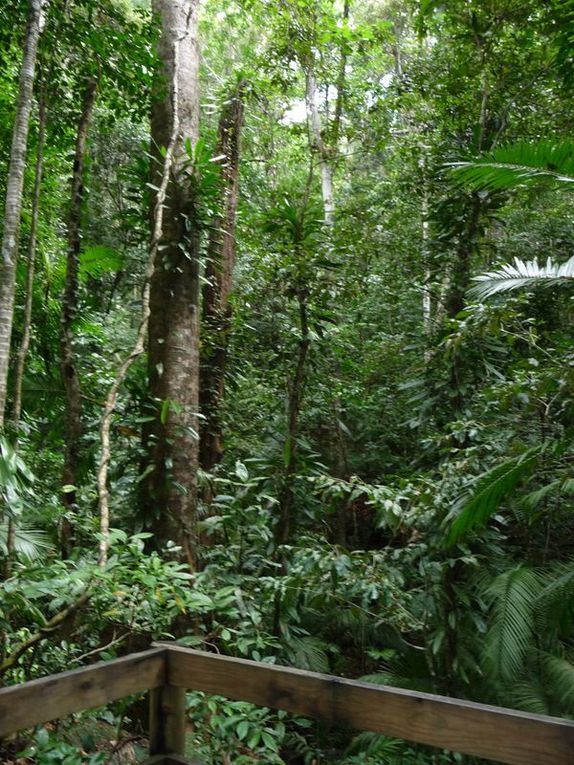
461,726
167,720
22,706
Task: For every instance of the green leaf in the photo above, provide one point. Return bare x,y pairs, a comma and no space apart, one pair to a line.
490,489
164,412
254,739
269,741
241,471
242,730
199,600
510,637
98,260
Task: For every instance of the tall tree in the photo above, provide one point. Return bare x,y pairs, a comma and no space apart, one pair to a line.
31,264
68,365
14,189
172,439
216,310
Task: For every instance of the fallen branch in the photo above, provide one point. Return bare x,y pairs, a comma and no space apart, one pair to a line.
53,624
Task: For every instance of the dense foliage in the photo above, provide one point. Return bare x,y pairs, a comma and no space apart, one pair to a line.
384,483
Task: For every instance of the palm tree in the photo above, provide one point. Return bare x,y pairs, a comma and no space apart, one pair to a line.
520,165
523,273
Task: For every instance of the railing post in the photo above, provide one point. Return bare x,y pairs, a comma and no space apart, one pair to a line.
167,720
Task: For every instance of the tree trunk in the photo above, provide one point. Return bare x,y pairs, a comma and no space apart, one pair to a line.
73,431
216,311
139,345
425,251
319,146
14,187
171,440
27,319
460,276
29,290
287,521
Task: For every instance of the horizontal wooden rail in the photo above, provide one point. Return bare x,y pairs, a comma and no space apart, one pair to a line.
29,704
485,731
495,733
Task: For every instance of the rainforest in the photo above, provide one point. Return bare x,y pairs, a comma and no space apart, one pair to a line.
287,359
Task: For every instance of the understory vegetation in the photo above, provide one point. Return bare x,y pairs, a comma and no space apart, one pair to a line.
287,356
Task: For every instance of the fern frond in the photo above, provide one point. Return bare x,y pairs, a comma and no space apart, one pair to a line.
521,163
559,674
510,637
489,490
522,273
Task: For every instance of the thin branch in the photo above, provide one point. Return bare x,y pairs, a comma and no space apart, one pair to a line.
99,650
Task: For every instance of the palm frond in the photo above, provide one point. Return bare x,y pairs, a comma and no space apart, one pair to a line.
529,696
407,669
29,542
307,652
559,674
522,273
374,744
510,636
535,498
521,163
489,490
555,604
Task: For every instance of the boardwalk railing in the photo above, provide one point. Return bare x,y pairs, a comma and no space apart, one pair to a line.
494,733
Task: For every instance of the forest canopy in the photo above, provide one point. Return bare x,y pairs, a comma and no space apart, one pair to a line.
287,355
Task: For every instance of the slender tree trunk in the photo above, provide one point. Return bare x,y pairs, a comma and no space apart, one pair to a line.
27,319
318,145
287,522
341,471
73,432
341,84
29,290
427,299
216,310
425,249
460,275
172,440
14,187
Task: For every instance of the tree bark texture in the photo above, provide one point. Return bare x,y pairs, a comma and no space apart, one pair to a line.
14,188
172,440
287,521
73,429
31,266
216,310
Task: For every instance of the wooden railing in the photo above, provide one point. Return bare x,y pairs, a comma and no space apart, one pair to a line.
494,733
